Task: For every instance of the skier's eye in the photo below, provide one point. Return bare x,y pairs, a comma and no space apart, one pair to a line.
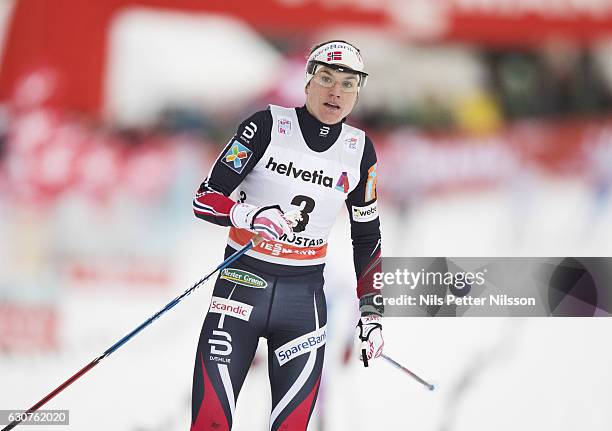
326,80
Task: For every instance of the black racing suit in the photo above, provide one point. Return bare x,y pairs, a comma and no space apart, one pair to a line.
284,304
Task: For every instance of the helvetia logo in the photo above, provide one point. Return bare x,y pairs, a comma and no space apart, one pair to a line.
290,170
304,344
343,183
243,278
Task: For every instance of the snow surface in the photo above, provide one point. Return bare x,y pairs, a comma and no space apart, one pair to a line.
491,373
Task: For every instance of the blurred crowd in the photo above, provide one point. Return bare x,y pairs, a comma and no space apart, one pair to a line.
456,89
449,88
440,101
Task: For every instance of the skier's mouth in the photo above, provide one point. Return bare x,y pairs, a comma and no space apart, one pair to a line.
332,106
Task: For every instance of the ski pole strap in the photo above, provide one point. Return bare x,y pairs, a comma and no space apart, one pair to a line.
262,209
364,340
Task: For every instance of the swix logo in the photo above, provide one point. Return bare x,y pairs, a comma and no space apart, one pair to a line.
225,343
314,177
334,56
304,344
231,308
324,131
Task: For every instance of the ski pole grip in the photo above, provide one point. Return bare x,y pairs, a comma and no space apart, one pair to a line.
364,356
256,240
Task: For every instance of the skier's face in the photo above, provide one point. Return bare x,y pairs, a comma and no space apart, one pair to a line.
331,95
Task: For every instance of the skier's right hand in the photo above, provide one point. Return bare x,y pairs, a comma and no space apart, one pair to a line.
267,221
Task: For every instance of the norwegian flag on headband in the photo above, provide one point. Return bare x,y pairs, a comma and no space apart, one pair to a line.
334,56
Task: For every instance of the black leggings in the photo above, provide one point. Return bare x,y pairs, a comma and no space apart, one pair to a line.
252,299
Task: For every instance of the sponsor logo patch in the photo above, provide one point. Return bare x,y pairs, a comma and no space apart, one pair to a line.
222,344
290,170
364,214
237,157
343,183
350,144
231,308
370,191
244,278
302,241
304,344
249,132
285,127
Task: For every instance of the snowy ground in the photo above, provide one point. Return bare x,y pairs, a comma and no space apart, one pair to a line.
492,373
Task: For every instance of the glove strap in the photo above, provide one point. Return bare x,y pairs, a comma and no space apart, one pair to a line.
262,209
372,326
363,338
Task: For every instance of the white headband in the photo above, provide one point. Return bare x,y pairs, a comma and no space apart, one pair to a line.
338,55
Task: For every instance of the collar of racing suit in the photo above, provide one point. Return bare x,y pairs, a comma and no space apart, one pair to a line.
318,136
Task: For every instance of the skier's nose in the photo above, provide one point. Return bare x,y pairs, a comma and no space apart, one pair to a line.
336,89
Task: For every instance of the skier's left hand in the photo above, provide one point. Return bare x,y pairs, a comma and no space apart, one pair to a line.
370,335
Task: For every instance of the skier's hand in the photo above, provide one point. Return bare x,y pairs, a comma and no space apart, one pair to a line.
267,221
370,336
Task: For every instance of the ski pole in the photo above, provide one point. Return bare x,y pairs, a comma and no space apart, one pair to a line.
253,243
410,373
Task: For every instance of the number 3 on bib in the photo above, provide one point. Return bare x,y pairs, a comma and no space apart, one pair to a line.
309,205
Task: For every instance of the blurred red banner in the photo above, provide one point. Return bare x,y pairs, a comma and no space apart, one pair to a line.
26,327
425,163
70,36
